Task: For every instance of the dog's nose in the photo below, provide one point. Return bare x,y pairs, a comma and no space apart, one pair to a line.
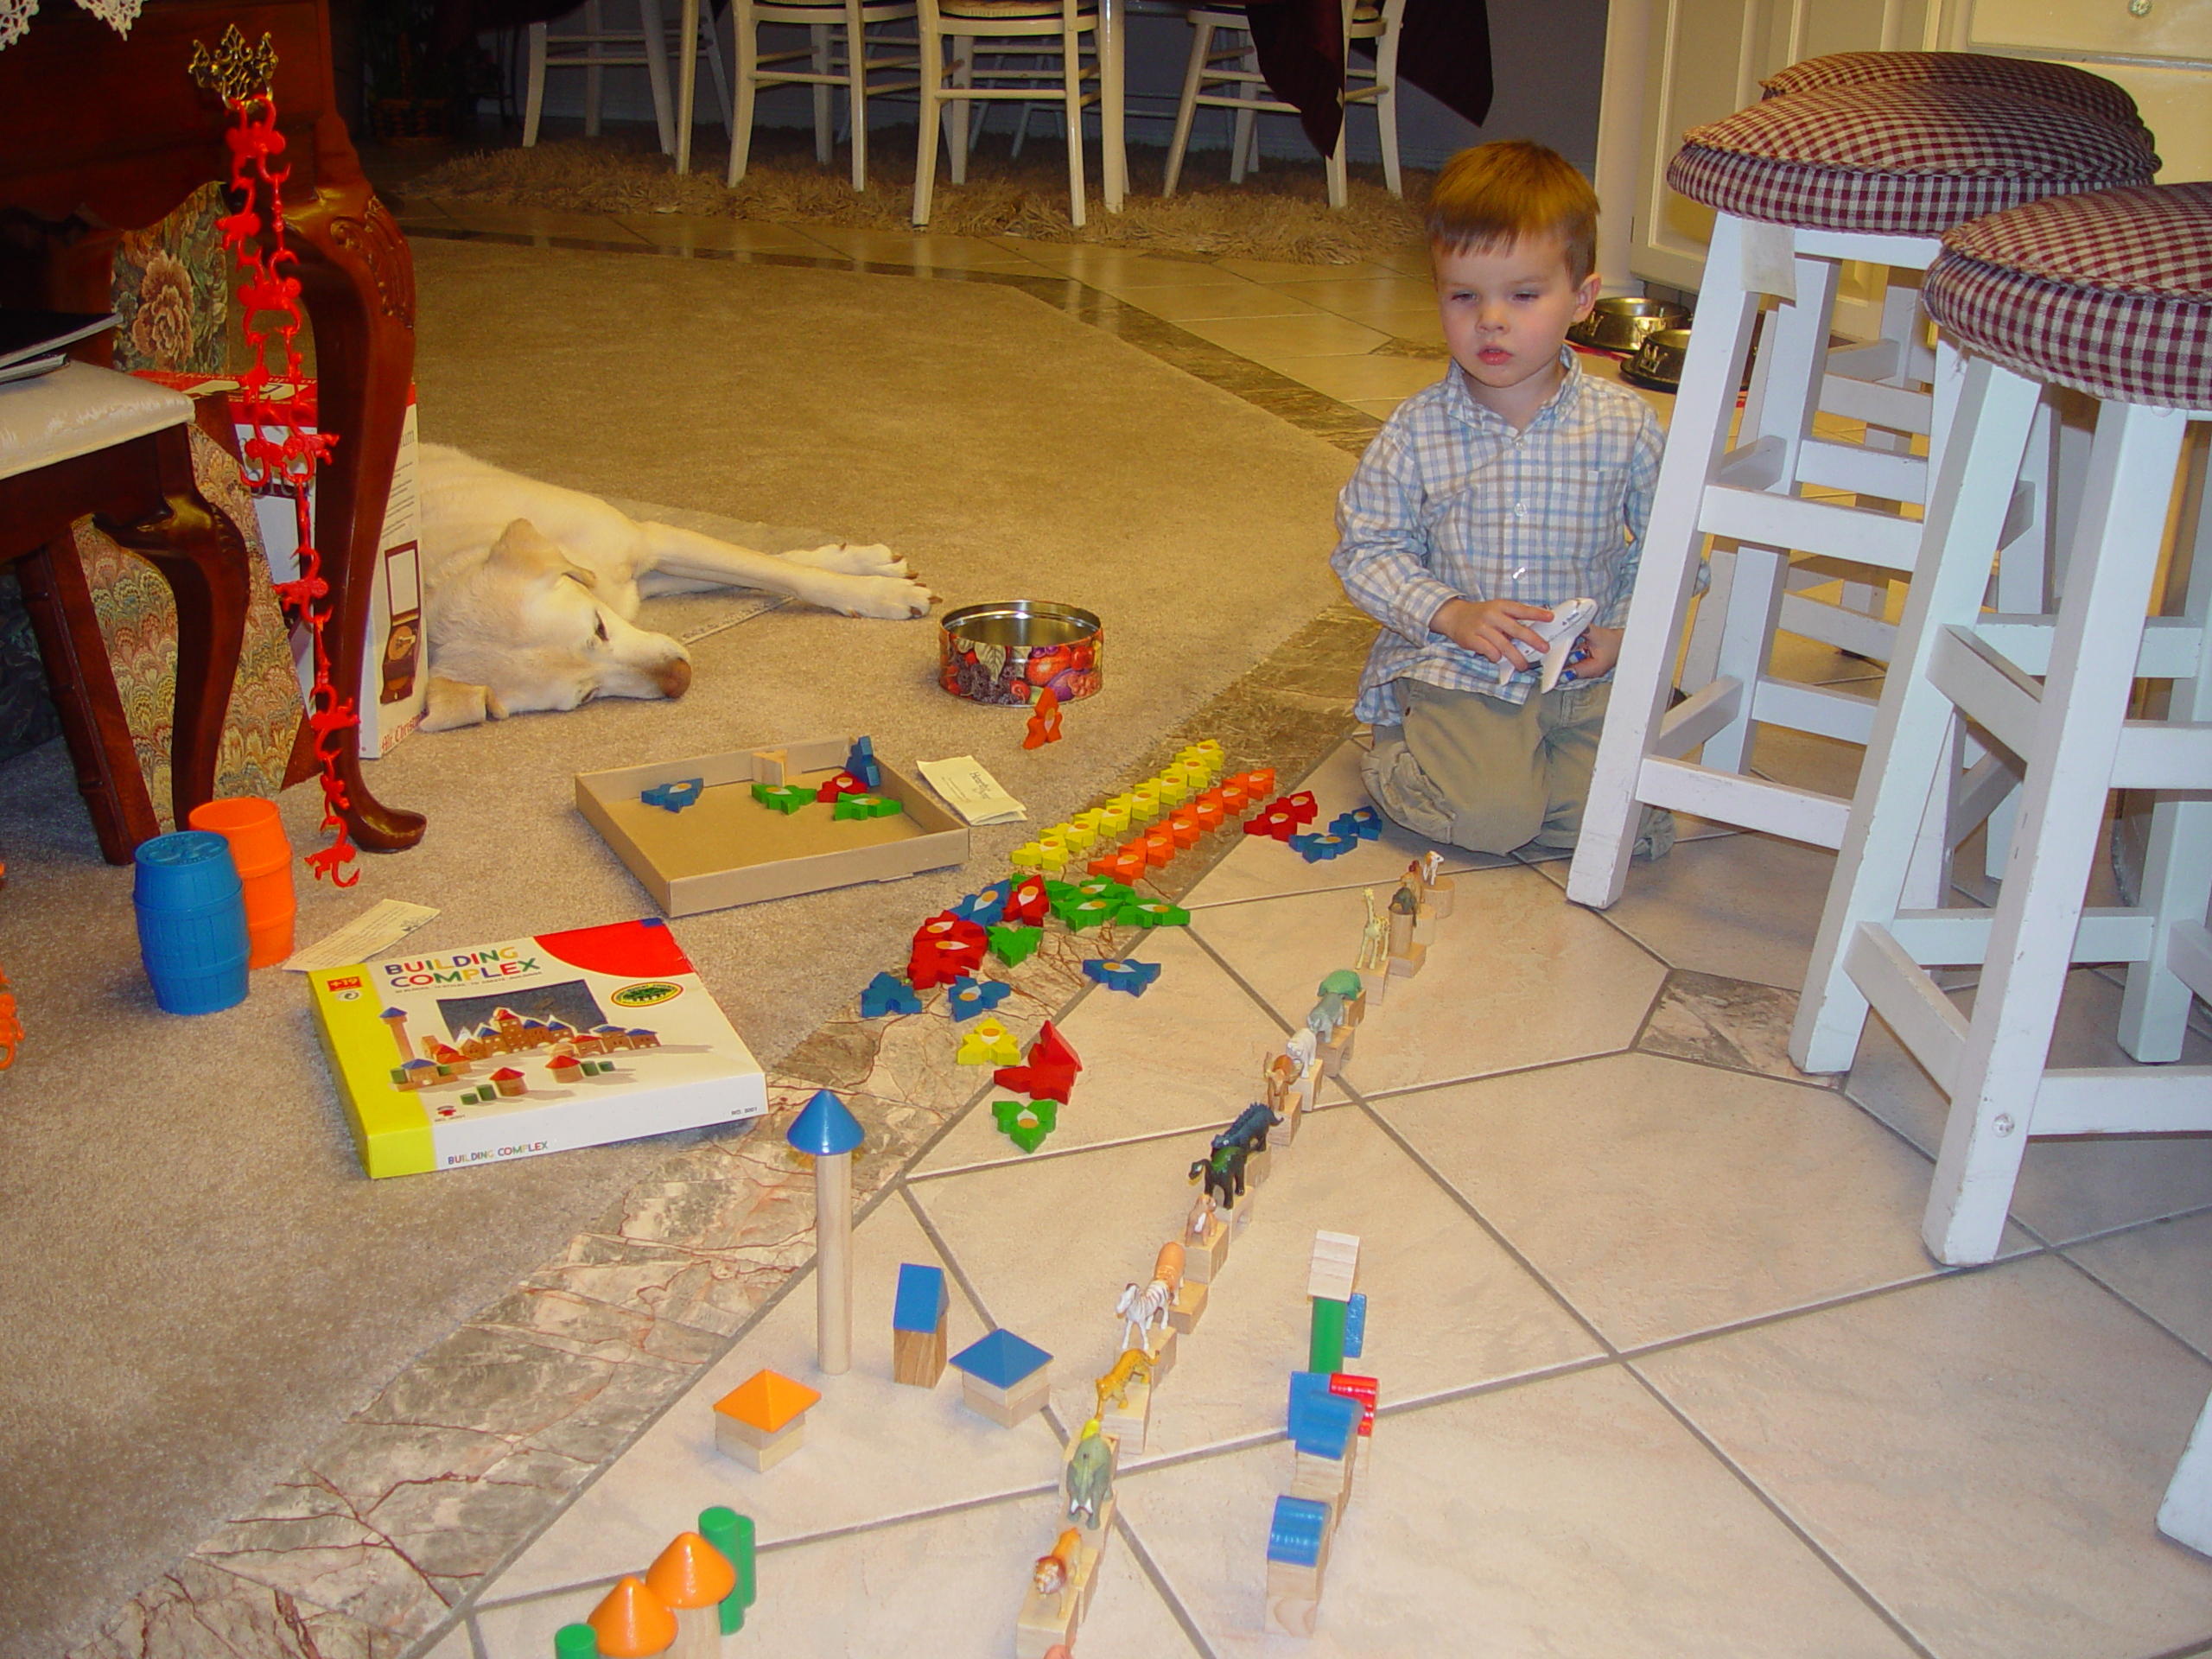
675,679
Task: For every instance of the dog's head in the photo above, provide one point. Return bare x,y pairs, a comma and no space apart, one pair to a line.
521,629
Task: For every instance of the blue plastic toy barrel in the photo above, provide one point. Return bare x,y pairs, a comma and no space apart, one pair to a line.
192,922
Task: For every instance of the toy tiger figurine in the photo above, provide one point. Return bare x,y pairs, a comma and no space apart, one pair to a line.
1134,1365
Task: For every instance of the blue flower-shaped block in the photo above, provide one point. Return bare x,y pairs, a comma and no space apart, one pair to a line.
675,797
861,762
970,997
1317,848
1131,976
886,993
1365,821
986,908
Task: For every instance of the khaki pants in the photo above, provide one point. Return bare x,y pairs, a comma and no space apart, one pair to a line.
1475,772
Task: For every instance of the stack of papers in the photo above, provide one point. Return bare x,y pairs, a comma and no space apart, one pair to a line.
971,792
37,342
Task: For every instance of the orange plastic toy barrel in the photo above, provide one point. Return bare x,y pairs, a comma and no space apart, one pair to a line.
264,856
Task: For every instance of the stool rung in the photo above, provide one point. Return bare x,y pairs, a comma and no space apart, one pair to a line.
1866,472
1811,526
1697,717
1835,625
1925,1021
2189,954
1892,407
2170,649
1748,803
1844,715
1978,791
2124,1100
1985,687
1961,938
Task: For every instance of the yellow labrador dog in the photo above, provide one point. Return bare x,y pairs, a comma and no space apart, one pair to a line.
530,591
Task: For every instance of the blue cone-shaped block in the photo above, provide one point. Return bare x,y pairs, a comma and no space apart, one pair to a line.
823,1128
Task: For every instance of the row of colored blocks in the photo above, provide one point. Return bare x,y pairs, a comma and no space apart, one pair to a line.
1346,831
1054,849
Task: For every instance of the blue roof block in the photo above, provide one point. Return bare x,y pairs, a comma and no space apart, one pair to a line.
823,1128
1294,1535
1321,1423
922,1298
1355,1324
1000,1359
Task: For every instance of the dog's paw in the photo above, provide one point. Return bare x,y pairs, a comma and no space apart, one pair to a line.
847,559
894,597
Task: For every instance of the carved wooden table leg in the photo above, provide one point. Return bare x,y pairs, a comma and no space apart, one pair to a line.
357,279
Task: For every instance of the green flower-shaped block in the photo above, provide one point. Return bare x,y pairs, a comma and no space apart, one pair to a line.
1155,912
1026,1123
781,798
1014,945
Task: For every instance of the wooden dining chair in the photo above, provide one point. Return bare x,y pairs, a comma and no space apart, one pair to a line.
1004,51
88,441
851,45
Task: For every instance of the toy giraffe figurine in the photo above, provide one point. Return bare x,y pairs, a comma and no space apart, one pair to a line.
1374,959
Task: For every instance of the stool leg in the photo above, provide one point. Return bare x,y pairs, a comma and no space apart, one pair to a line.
655,28
533,106
1910,745
1666,573
931,116
2177,873
748,89
2069,773
2186,1514
818,35
1186,107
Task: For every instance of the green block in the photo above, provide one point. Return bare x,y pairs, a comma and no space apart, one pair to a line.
1326,1349
1058,893
781,798
1090,912
575,1642
1014,945
1026,1123
1343,983
887,808
732,1534
1155,912
852,806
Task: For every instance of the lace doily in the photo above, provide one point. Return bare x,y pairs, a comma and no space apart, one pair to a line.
16,16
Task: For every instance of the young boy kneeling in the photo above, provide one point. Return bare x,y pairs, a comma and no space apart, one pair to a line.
1515,484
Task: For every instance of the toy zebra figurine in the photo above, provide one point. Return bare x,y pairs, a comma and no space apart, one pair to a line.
1250,1129
1139,1311
1223,1174
1134,1365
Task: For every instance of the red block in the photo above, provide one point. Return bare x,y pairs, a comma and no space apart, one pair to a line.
1051,1049
843,784
1038,1082
1361,1388
1026,904
946,947
1301,806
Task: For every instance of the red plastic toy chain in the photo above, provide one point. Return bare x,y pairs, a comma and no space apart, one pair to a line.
270,288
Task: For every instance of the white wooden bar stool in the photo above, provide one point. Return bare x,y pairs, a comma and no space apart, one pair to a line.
1901,357
987,35
2186,1515
1800,184
2112,294
595,47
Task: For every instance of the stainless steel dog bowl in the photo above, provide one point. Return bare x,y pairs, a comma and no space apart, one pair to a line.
1658,361
1620,324
1008,650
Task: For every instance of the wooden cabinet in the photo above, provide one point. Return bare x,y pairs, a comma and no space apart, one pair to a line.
1672,65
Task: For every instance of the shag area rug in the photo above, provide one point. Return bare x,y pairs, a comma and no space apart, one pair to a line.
201,1287
1280,214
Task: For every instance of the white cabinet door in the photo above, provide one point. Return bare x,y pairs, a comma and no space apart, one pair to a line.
2163,28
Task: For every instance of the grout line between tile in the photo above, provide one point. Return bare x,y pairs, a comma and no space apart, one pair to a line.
2129,1302
1151,1569
1775,1507
1223,963
944,1248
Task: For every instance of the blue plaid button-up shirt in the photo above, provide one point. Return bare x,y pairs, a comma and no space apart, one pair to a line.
1450,502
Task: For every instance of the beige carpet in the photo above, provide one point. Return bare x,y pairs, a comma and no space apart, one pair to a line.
201,1284
1282,213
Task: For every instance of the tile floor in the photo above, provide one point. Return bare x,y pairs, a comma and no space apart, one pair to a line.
1664,1369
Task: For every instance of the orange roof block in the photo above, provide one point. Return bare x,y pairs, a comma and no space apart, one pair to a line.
690,1573
766,1400
632,1623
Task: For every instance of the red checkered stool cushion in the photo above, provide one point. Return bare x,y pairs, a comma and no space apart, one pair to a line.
2054,83
2110,294
1901,160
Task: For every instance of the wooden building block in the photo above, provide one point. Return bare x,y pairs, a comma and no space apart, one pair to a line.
769,766
1293,1598
1190,1304
1161,1346
1406,965
1006,1407
1257,1165
1334,1055
917,1357
1425,926
1131,1420
1437,895
757,1448
1327,1480
1203,1256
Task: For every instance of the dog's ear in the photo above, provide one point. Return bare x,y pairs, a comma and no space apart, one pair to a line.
524,551
453,704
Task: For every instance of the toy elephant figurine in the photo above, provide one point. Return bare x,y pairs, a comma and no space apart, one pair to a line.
1091,1475
1327,1016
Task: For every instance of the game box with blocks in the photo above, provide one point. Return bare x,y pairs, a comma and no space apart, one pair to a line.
722,829
457,1057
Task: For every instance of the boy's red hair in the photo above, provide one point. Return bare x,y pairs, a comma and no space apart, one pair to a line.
1493,195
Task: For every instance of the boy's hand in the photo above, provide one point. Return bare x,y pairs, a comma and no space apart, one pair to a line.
1494,628
1595,652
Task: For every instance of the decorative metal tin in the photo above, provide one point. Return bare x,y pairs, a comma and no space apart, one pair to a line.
1009,650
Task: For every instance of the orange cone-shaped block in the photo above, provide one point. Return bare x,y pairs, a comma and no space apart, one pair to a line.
690,1578
631,1622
